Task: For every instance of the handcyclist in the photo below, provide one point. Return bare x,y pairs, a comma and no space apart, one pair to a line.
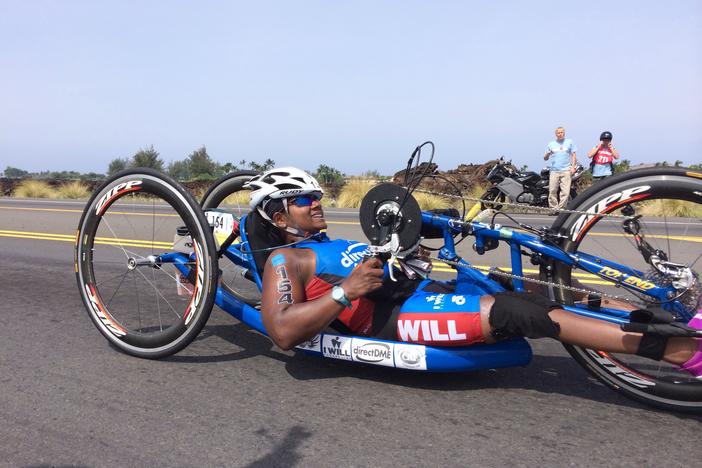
312,282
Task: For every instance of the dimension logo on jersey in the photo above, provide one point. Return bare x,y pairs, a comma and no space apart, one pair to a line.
618,371
313,344
114,192
605,205
374,352
350,258
410,356
337,347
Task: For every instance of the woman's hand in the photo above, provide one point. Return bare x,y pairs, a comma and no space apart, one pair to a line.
366,277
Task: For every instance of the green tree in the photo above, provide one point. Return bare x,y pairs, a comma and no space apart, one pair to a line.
148,157
64,175
13,172
262,167
226,168
201,165
622,166
116,165
331,179
678,163
327,175
92,176
179,170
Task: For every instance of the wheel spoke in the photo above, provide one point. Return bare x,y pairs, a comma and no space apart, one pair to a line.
160,294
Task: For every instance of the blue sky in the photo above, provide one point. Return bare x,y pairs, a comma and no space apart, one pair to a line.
351,84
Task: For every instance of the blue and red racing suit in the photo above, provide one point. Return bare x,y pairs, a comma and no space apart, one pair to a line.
424,312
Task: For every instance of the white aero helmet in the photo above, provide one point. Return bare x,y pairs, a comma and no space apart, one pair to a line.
282,182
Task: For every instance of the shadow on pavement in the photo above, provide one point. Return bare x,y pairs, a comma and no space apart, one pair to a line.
285,452
546,374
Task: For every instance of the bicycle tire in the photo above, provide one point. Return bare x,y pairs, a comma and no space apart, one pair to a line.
137,304
654,383
232,185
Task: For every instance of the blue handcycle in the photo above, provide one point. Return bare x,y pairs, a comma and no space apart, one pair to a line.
151,263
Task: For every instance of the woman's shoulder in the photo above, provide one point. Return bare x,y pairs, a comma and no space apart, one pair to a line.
289,254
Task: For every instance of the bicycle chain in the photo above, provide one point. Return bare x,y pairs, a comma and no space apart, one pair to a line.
499,272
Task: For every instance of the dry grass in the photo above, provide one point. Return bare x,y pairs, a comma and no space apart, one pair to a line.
34,189
198,193
673,208
238,199
353,192
428,201
73,190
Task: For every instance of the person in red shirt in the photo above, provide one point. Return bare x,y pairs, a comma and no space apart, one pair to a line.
603,156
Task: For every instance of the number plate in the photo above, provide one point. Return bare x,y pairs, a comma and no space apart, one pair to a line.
222,224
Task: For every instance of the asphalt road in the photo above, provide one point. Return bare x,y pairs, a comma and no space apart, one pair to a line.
233,399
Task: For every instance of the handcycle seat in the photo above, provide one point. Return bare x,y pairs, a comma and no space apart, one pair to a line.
261,243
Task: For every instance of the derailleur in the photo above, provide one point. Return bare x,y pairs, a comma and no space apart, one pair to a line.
681,275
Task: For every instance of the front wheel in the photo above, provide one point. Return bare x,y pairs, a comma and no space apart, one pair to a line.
494,197
668,204
148,295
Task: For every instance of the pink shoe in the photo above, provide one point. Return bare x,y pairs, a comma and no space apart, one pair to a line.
694,364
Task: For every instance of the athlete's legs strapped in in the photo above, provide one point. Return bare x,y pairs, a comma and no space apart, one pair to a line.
449,319
522,314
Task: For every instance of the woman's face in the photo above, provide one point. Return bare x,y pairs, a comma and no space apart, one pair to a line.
305,212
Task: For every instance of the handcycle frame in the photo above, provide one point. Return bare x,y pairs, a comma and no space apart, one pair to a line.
469,281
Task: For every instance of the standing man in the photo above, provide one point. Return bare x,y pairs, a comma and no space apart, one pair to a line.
603,156
562,166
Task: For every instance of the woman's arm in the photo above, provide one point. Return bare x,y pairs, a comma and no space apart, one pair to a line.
594,150
287,315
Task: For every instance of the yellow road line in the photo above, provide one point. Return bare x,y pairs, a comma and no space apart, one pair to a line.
98,240
585,278
350,223
650,236
61,210
128,213
58,210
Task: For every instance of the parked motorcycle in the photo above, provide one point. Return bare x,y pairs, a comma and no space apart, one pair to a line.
529,188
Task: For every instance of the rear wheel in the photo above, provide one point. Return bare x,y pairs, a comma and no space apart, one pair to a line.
669,202
229,194
125,264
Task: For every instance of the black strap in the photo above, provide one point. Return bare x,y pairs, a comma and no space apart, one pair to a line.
652,346
594,302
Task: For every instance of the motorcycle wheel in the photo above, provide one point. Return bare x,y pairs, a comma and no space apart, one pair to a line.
494,197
